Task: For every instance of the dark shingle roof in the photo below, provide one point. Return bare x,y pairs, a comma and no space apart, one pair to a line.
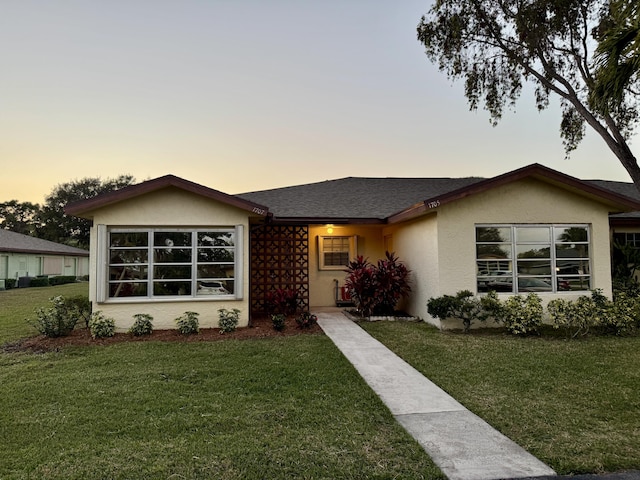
354,197
623,188
367,198
17,242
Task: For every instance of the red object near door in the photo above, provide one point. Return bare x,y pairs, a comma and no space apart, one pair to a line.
344,294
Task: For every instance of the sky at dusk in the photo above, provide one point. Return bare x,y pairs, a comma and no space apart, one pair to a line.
248,95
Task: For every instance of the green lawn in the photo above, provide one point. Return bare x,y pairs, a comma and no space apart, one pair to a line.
18,304
573,404
289,407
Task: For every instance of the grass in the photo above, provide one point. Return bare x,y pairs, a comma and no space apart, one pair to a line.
17,305
277,408
573,404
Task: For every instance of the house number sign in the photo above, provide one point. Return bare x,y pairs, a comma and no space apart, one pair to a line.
434,204
259,211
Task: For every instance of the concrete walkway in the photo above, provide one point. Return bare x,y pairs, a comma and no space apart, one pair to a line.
463,445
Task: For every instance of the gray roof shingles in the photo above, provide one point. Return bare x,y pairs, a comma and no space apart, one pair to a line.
623,188
378,198
17,242
354,197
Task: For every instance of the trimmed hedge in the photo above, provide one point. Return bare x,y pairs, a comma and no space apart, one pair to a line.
62,279
39,282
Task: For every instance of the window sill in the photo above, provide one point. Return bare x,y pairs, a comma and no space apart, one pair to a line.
179,299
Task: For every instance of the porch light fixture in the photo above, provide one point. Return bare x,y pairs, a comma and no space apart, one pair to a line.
330,228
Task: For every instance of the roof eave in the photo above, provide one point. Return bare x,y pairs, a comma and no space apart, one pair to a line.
327,220
614,200
43,252
83,208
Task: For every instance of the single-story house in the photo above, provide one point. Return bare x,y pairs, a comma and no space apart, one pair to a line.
26,256
168,245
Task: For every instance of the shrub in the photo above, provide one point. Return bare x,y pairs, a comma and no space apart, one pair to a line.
62,280
360,283
57,320
278,320
376,289
10,283
39,282
282,300
522,315
463,306
142,325
492,307
80,306
392,281
621,317
188,323
575,318
101,326
306,320
228,320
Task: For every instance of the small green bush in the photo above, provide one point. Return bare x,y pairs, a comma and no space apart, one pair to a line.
228,320
621,316
39,282
80,306
56,321
101,326
572,317
522,315
306,320
278,320
62,280
142,325
463,306
188,323
10,283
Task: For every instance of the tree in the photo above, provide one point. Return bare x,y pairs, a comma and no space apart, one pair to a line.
20,217
61,228
617,55
497,45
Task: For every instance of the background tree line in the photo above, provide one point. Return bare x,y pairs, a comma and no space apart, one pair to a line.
48,221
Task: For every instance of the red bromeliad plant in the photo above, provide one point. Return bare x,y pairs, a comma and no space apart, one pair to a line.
376,289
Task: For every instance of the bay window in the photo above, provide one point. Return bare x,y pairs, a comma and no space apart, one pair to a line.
533,258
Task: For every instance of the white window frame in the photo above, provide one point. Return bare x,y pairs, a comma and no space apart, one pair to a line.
556,277
104,264
352,241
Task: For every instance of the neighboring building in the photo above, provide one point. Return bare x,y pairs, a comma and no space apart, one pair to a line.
25,256
168,245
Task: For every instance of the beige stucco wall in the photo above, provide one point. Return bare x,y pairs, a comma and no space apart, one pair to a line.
439,247
170,207
416,245
321,282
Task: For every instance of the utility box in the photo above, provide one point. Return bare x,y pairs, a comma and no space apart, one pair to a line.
2,284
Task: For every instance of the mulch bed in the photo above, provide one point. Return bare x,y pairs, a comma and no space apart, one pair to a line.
260,328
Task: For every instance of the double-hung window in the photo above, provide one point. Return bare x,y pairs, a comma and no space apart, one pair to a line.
173,262
533,258
335,253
